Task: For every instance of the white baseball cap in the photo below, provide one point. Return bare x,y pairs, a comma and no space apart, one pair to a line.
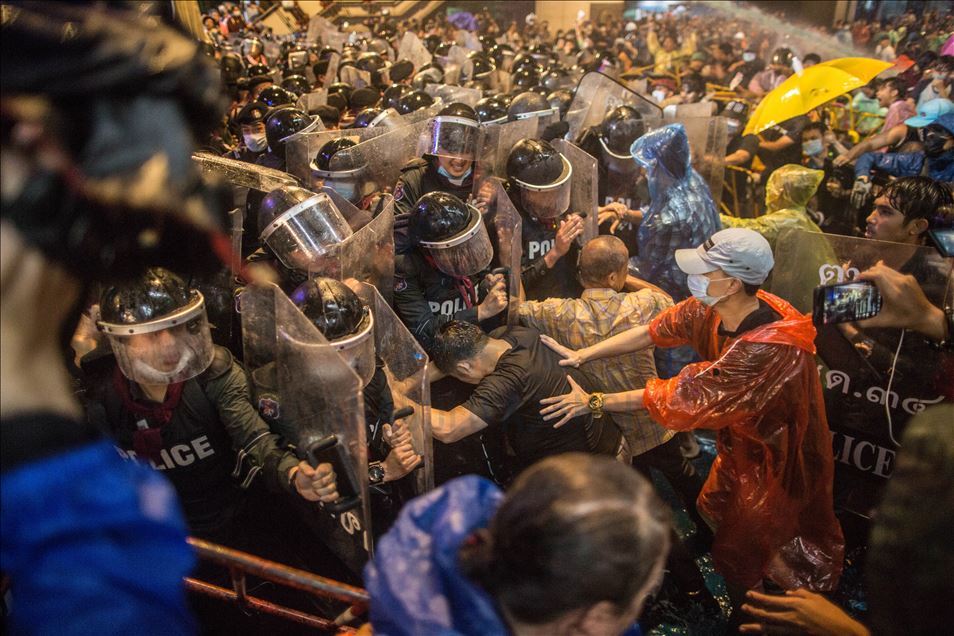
739,252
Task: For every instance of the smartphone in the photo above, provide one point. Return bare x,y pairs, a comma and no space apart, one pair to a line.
845,302
944,241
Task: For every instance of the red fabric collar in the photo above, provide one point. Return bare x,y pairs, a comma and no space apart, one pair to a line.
147,442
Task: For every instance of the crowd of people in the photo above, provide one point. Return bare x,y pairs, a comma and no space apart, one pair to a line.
483,291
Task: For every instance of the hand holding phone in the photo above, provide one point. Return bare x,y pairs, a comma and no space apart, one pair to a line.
845,302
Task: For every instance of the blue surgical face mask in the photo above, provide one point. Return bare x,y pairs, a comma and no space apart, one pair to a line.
813,147
699,288
455,180
347,189
748,57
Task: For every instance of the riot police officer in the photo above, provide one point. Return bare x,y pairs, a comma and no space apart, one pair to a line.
449,167
539,182
169,397
280,126
442,279
622,189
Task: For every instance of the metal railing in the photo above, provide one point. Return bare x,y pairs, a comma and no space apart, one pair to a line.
241,564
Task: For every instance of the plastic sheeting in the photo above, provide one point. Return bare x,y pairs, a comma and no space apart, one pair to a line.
708,138
787,194
868,408
769,492
405,365
681,212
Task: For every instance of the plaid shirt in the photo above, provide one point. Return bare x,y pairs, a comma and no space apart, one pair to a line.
597,315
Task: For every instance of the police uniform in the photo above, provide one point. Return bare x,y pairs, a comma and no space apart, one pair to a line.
418,177
212,446
539,237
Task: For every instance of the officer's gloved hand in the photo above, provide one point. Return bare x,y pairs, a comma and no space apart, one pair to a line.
860,192
556,130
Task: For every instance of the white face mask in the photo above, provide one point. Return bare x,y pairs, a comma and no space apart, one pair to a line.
699,288
659,95
255,142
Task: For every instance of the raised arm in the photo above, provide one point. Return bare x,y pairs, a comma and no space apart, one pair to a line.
628,341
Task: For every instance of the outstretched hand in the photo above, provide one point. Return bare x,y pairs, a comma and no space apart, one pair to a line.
567,406
570,357
798,612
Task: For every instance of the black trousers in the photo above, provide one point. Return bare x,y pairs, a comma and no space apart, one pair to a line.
668,460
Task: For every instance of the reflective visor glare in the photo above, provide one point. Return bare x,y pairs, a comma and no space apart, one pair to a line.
166,356
546,204
306,236
452,139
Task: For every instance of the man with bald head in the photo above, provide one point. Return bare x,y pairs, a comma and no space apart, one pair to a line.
603,310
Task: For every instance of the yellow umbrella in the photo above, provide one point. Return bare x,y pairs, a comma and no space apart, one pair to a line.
811,88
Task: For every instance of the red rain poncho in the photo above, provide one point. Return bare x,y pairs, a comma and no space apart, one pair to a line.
770,488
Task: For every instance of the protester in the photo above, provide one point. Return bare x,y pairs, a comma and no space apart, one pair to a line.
594,529
758,367
787,194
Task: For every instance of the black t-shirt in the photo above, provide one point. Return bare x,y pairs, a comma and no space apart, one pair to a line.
761,316
511,394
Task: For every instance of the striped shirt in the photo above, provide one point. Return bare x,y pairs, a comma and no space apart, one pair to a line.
597,315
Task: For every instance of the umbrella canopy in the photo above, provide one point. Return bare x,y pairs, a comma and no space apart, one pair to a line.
812,87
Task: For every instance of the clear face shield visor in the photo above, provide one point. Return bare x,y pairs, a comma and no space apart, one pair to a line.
465,254
548,201
171,349
350,183
618,162
358,349
450,137
303,234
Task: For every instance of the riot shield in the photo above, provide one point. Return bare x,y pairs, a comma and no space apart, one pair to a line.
596,95
584,197
495,144
241,174
413,50
405,365
300,151
873,379
503,217
501,81
355,77
331,74
310,101
381,158
453,94
299,378
708,138
367,255
454,63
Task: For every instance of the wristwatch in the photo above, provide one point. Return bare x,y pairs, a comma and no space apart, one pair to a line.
596,404
375,473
